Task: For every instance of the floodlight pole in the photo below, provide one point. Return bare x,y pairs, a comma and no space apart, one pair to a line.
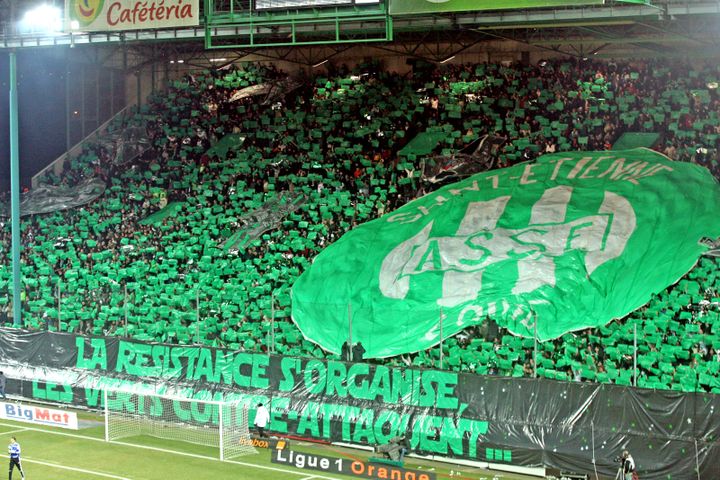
68,138
15,192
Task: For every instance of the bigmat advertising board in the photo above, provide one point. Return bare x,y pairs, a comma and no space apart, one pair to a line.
519,421
106,15
38,415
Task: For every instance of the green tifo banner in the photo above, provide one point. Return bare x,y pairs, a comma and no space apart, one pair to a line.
404,7
518,421
569,242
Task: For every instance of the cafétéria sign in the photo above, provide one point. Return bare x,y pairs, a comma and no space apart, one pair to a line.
108,15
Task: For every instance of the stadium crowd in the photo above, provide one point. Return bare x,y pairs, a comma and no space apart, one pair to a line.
216,201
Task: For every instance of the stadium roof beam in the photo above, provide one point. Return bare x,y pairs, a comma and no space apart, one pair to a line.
596,50
541,18
558,17
665,30
610,41
409,49
437,46
297,56
316,55
610,36
554,49
590,37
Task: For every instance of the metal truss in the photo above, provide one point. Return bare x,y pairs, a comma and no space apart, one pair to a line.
677,28
235,26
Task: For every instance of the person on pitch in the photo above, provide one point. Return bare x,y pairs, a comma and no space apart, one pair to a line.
262,417
627,465
14,451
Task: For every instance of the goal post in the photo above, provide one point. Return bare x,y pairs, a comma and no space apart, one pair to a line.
223,425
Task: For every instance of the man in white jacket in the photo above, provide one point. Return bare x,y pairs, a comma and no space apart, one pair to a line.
628,465
262,418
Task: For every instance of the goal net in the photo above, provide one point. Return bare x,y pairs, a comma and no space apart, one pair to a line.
213,424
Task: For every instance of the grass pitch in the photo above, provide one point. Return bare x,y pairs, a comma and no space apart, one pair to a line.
50,453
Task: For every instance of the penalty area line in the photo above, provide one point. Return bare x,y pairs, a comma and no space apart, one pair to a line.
194,455
174,452
74,469
14,431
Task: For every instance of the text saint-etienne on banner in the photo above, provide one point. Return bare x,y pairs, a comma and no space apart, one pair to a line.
106,15
573,240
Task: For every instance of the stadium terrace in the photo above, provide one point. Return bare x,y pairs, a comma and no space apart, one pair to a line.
472,235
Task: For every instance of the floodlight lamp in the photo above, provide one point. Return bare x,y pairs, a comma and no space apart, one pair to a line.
42,19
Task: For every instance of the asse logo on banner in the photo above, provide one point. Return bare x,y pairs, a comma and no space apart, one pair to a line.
344,466
571,241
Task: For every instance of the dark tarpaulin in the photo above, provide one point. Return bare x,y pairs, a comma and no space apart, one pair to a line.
272,91
128,145
480,156
531,422
50,198
267,217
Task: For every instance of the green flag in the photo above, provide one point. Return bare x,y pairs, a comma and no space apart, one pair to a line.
569,242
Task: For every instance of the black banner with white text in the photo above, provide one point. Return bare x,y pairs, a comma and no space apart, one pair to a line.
518,421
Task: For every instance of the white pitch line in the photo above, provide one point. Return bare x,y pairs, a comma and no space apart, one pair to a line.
14,431
309,478
74,469
194,455
174,452
85,437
